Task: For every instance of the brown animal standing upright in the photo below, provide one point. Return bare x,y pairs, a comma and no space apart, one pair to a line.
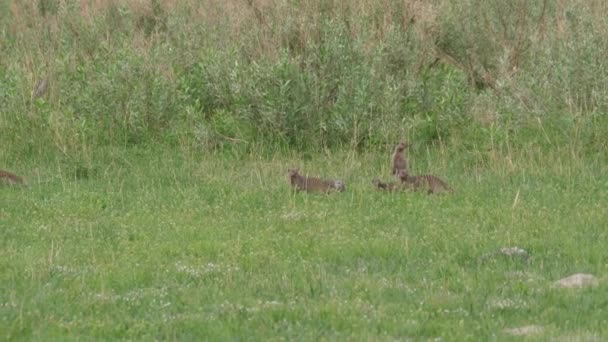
7,178
398,160
432,184
312,184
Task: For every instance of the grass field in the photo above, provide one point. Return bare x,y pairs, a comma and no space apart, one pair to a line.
165,244
155,137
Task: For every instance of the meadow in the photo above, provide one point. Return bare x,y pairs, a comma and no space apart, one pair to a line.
157,204
154,244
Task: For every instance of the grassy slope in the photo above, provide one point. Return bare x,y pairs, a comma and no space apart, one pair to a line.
158,245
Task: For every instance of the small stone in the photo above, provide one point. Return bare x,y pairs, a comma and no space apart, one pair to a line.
506,303
511,252
525,330
514,252
576,281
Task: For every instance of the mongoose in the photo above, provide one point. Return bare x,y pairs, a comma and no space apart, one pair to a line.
389,186
398,160
432,184
7,178
312,184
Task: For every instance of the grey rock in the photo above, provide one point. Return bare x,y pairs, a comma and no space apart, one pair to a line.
510,252
525,330
577,280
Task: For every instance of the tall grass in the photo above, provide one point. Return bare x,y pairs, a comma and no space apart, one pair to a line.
308,75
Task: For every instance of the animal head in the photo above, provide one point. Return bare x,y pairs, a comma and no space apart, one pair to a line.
402,174
402,146
339,185
293,173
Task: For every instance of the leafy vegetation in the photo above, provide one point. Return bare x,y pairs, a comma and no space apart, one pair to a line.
304,75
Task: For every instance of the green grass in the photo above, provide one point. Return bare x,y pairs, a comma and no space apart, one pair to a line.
158,205
156,244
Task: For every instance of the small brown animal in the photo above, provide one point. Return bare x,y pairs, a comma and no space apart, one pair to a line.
7,178
313,184
432,184
398,160
389,186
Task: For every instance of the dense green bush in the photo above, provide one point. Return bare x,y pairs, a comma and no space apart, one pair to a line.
305,75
